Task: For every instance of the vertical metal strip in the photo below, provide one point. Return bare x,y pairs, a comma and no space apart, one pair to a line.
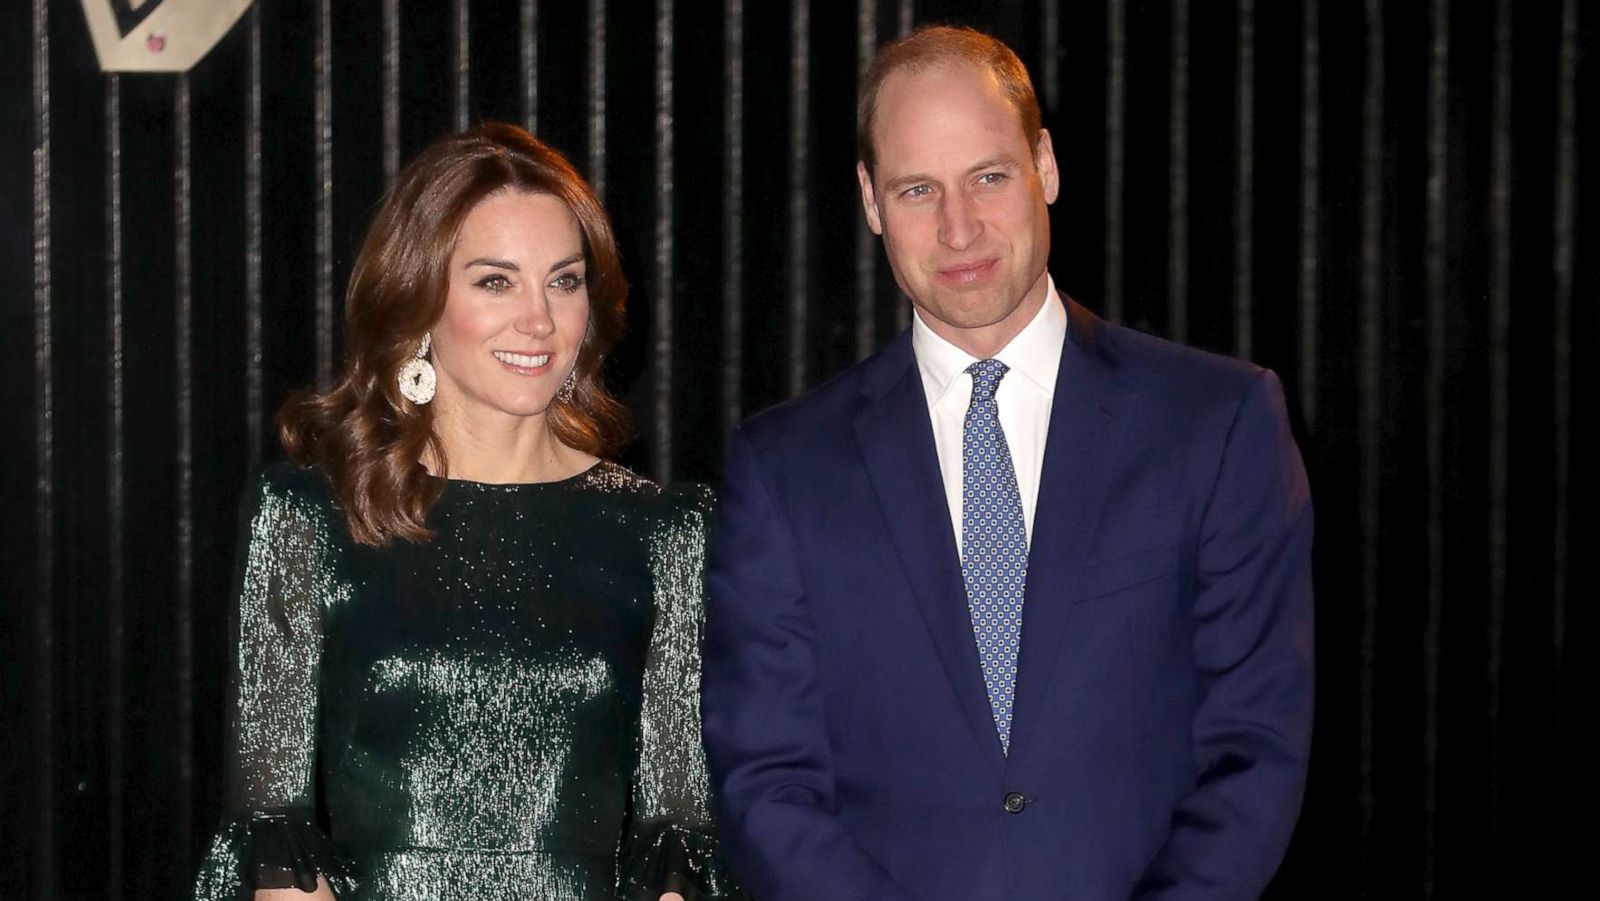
663,342
1050,53
255,412
597,97
866,241
1310,205
1435,273
908,18
44,862
183,192
323,113
116,589
1116,105
799,189
1178,178
1244,187
1369,423
529,24
391,89
733,219
1565,218
462,52
1499,388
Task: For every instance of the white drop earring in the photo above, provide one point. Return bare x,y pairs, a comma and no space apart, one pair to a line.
568,384
417,378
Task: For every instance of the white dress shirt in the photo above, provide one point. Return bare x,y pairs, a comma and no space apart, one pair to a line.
1024,396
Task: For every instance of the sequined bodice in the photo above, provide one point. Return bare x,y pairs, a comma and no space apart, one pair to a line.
508,710
479,689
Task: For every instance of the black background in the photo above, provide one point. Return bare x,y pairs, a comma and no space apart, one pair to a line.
1384,202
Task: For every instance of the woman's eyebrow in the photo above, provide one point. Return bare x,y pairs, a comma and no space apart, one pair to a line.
491,261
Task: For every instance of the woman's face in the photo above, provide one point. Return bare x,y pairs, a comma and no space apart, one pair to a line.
516,310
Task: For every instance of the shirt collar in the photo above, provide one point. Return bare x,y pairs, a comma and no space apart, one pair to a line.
1035,351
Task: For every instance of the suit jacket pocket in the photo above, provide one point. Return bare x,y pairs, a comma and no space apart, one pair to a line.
1103,578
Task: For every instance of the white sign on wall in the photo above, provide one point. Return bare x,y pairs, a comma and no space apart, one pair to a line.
158,35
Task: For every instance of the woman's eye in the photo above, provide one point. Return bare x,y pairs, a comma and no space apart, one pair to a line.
568,282
495,284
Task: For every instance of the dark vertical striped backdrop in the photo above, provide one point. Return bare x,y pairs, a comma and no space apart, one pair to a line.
1385,202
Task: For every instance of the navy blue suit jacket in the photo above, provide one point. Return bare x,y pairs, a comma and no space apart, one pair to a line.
1163,703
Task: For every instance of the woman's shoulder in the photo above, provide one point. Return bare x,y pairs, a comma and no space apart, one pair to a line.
287,481
674,502
284,490
611,478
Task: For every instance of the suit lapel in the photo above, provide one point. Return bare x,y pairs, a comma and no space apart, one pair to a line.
896,439
1087,415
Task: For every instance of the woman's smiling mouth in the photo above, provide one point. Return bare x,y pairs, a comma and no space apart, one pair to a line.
523,364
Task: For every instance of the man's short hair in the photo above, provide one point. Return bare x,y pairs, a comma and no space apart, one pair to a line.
941,45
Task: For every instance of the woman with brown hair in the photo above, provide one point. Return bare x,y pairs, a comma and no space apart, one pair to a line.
466,644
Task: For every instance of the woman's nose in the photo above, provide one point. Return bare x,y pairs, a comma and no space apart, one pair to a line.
534,318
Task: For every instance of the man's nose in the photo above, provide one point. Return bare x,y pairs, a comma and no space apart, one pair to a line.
958,223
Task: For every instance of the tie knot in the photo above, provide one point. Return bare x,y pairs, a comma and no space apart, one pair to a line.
986,376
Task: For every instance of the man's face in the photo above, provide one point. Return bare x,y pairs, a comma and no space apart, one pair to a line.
961,199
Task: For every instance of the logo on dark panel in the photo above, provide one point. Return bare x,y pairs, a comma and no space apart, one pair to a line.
158,35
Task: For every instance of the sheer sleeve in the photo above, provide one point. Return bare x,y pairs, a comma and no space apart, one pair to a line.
671,845
285,579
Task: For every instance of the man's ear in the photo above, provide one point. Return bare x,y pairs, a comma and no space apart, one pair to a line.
1044,161
869,201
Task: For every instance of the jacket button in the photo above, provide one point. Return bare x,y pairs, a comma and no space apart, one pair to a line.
1015,802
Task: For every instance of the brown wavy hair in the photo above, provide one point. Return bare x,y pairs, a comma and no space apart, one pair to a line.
366,438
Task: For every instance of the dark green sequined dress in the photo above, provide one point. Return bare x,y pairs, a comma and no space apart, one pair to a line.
508,711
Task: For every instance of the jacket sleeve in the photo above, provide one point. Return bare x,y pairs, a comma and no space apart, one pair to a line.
766,736
269,837
671,845
1253,653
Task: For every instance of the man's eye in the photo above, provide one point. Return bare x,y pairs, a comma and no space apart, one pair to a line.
918,191
495,284
569,282
992,178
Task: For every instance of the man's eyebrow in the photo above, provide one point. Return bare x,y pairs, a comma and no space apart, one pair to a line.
894,185
491,261
1005,161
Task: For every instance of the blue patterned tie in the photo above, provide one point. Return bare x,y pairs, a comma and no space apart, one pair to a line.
994,543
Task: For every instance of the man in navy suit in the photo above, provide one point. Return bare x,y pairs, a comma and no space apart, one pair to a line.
1019,607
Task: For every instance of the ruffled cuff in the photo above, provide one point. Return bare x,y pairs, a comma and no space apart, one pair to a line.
271,851
667,858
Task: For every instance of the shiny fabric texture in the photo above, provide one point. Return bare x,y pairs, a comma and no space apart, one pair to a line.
508,711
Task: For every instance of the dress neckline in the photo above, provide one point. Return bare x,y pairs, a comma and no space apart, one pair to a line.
574,479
